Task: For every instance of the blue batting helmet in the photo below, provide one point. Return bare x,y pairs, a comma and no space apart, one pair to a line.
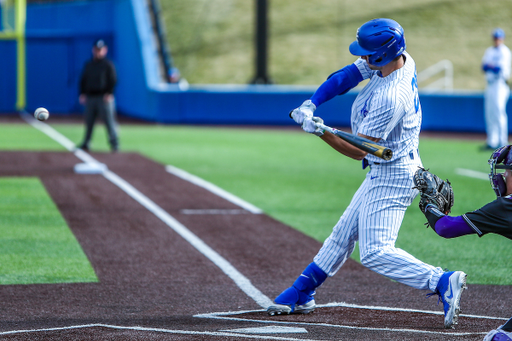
381,39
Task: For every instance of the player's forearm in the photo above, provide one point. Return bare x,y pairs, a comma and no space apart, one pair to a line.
343,147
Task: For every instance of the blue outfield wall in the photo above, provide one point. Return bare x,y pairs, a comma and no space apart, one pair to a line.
261,104
59,38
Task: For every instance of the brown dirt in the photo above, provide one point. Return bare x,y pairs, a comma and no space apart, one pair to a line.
151,277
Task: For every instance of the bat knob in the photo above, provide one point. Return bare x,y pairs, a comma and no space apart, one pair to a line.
387,154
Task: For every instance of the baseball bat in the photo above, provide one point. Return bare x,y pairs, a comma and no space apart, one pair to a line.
360,142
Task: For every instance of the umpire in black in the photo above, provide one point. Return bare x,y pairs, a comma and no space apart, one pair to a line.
97,85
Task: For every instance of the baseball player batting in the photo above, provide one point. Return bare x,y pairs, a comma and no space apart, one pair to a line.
387,110
495,217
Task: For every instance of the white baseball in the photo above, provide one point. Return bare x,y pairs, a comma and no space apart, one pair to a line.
41,114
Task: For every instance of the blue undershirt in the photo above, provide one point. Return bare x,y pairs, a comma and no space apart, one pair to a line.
338,83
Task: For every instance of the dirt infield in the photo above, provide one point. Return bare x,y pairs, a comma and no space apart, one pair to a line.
154,285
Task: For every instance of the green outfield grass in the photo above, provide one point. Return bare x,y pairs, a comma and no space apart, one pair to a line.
299,180
36,245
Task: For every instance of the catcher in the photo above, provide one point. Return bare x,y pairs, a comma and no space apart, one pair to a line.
495,217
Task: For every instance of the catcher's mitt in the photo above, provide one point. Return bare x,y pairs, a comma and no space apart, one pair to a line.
433,191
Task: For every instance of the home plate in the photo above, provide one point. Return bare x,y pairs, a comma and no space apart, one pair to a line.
267,330
90,168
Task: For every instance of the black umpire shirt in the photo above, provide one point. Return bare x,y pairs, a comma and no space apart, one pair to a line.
98,77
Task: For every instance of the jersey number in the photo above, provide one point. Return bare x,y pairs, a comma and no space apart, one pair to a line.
414,85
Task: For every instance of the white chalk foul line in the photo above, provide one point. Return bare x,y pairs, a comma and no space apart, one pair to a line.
240,280
213,188
472,173
45,128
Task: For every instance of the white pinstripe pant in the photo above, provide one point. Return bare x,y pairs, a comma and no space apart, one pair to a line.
496,119
373,218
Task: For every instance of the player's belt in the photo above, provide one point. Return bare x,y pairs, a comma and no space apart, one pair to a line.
411,154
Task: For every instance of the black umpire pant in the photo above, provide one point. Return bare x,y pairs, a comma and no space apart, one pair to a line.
96,106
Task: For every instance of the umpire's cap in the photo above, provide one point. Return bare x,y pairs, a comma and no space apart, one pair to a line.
99,44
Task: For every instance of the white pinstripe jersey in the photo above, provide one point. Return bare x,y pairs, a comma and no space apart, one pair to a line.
389,108
497,57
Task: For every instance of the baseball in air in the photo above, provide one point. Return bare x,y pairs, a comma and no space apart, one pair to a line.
41,114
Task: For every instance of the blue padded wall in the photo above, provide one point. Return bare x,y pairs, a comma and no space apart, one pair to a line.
59,40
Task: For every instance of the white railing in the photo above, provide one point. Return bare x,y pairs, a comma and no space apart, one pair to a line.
445,83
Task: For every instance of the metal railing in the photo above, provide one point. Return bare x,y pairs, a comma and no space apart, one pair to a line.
444,83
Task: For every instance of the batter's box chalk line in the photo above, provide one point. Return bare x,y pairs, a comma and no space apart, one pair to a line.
230,316
147,329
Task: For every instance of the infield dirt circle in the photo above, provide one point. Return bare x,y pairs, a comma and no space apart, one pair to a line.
154,285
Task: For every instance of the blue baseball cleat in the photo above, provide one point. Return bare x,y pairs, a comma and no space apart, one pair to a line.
450,287
298,299
292,301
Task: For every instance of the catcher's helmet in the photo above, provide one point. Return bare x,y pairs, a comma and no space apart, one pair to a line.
501,158
381,39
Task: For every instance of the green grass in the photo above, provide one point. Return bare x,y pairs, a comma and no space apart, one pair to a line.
213,41
17,136
36,245
299,180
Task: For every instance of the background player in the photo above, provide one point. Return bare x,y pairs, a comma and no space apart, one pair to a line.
496,65
387,110
495,217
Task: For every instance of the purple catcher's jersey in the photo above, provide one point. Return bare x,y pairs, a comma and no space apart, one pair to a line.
495,217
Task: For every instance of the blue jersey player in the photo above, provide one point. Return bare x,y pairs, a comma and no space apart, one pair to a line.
495,217
386,110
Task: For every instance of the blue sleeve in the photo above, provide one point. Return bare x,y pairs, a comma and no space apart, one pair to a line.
337,83
495,69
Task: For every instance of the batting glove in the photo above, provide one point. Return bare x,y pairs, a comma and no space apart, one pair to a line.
306,110
310,125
